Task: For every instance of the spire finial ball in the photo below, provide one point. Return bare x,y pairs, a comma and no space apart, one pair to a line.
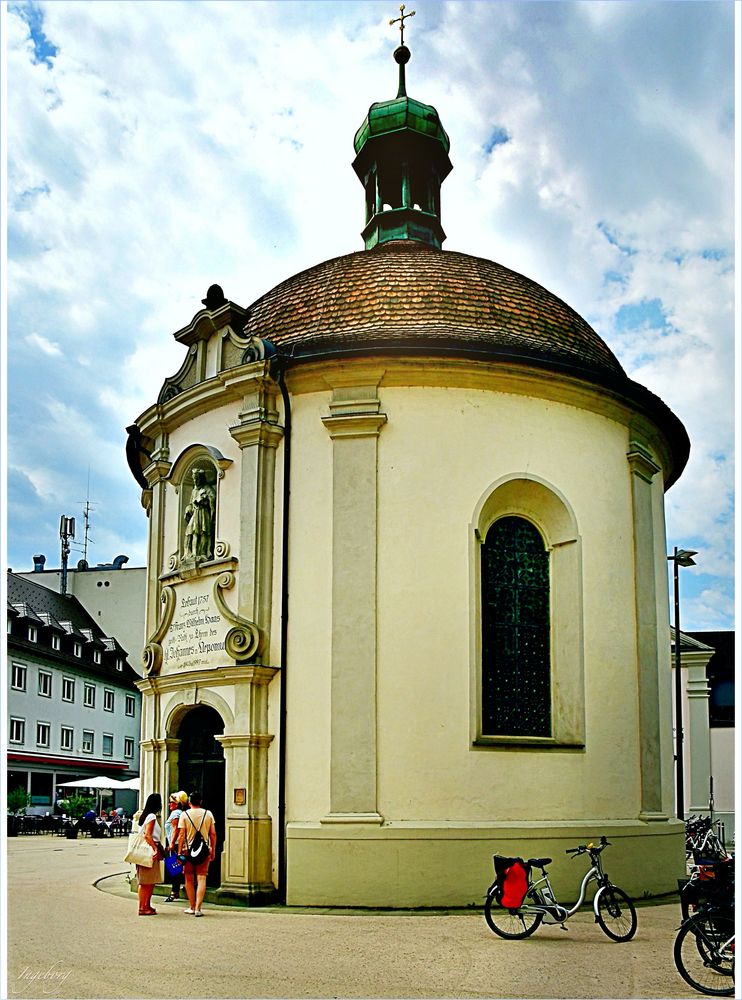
402,55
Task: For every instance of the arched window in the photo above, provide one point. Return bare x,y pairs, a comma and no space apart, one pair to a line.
516,641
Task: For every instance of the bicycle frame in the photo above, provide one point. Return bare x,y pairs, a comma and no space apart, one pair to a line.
555,912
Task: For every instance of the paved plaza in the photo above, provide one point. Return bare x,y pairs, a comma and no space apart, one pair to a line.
74,932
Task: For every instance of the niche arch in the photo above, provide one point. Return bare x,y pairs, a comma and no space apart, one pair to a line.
196,475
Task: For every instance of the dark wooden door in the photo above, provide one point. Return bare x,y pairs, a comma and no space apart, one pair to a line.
201,766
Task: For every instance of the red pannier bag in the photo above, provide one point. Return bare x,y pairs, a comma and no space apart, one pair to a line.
513,878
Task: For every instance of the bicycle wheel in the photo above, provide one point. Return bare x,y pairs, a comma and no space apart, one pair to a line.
615,913
511,924
704,954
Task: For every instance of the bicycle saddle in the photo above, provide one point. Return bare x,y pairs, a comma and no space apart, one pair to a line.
538,862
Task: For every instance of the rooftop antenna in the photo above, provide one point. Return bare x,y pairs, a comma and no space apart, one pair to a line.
66,532
86,517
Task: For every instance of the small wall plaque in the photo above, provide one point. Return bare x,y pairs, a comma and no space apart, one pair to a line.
240,796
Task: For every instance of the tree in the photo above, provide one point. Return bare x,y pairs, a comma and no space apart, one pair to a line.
77,805
17,800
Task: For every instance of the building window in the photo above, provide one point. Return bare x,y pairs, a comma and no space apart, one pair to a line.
68,689
130,705
96,656
33,633
721,702
17,732
67,738
56,642
88,741
18,681
42,734
128,746
108,700
119,664
77,649
516,668
42,788
107,745
88,698
45,684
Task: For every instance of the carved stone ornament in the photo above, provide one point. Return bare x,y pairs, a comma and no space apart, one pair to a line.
243,638
152,652
221,550
257,350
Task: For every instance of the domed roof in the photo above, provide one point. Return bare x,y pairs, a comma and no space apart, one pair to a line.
407,294
407,297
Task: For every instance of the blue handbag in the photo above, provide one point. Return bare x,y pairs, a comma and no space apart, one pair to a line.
173,866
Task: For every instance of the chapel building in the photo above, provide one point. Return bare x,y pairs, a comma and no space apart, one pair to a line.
407,588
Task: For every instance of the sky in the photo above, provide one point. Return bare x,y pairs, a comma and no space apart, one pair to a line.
156,148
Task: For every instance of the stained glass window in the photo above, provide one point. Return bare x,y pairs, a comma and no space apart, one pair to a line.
516,669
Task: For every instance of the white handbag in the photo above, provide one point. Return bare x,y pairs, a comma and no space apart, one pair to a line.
139,851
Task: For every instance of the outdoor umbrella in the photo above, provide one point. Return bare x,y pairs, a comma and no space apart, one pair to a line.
98,784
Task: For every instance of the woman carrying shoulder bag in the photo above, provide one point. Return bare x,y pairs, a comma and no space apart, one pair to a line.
196,820
177,802
147,878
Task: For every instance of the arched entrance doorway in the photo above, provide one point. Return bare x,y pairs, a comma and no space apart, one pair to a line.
201,766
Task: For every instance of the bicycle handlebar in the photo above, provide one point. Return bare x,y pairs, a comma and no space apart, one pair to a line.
588,848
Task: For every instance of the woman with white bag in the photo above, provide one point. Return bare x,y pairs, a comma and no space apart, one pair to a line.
146,845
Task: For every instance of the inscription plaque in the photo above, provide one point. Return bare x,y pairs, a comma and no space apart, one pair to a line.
197,631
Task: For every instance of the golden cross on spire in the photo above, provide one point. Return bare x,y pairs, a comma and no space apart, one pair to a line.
401,20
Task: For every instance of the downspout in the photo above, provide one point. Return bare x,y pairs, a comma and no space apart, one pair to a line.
281,364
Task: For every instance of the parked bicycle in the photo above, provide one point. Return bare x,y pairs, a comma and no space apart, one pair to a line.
704,951
516,904
704,947
704,840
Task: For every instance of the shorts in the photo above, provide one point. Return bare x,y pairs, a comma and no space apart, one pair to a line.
190,869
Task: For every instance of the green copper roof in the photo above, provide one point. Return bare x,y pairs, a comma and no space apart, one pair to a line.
400,113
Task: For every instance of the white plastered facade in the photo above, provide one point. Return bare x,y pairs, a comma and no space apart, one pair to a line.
393,796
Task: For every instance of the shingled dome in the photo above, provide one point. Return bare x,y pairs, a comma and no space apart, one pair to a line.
406,294
406,297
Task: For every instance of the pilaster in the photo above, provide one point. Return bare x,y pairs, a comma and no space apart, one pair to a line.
156,474
247,857
354,423
643,469
258,434
698,734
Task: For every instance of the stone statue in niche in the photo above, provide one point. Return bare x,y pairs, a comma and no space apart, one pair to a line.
198,536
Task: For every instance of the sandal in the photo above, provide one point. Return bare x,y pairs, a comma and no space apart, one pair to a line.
171,899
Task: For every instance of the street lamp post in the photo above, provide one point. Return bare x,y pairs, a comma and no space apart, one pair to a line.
680,557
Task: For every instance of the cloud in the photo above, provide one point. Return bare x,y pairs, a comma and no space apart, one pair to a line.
42,344
154,149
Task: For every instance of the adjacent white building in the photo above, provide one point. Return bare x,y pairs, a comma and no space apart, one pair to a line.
112,593
73,708
707,684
